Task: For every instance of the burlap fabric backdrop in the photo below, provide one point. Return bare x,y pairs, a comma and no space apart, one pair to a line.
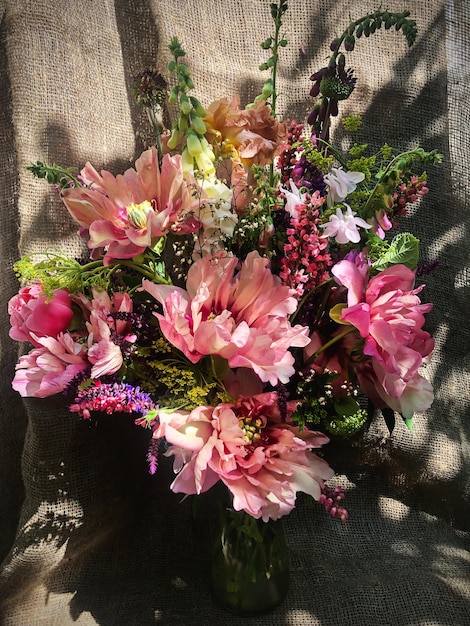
87,536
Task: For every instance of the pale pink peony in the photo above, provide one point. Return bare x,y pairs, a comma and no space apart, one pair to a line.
262,460
389,316
254,133
127,213
34,315
47,370
241,317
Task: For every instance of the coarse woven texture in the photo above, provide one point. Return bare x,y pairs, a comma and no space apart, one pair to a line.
87,536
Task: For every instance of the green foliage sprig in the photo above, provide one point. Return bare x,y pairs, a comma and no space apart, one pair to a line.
369,24
190,119
55,174
388,178
272,43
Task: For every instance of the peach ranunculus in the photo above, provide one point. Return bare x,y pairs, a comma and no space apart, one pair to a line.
128,213
47,370
262,460
243,317
254,133
389,316
33,315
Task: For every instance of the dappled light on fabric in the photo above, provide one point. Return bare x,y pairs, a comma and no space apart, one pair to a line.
88,535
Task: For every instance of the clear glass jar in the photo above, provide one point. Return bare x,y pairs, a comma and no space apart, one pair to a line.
250,570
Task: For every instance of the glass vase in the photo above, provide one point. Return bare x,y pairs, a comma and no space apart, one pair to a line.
250,570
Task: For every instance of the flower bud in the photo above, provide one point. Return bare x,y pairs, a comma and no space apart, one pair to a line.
193,143
173,140
185,104
197,106
349,43
173,95
197,124
334,45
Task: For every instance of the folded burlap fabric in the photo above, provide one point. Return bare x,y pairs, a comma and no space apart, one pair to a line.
87,536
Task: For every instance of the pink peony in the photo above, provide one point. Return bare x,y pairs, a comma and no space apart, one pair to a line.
32,313
127,213
47,370
263,461
108,331
241,317
389,316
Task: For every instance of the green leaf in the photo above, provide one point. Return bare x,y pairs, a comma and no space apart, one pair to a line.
336,311
389,417
346,406
404,249
159,245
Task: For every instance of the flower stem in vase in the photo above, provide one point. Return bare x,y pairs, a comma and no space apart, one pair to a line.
250,571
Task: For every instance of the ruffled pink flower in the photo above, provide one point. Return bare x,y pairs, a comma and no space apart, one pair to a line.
33,315
108,330
263,461
241,317
254,133
47,370
127,213
389,316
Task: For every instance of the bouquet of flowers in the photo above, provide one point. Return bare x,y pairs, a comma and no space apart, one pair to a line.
247,294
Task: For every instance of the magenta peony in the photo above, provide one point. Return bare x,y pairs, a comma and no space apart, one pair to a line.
33,315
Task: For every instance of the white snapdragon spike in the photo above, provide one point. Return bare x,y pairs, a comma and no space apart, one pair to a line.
216,216
341,184
293,198
344,226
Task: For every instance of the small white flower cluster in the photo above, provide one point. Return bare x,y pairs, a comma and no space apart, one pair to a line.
217,218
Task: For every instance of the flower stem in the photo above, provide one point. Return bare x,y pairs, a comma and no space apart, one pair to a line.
328,344
154,276
156,130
